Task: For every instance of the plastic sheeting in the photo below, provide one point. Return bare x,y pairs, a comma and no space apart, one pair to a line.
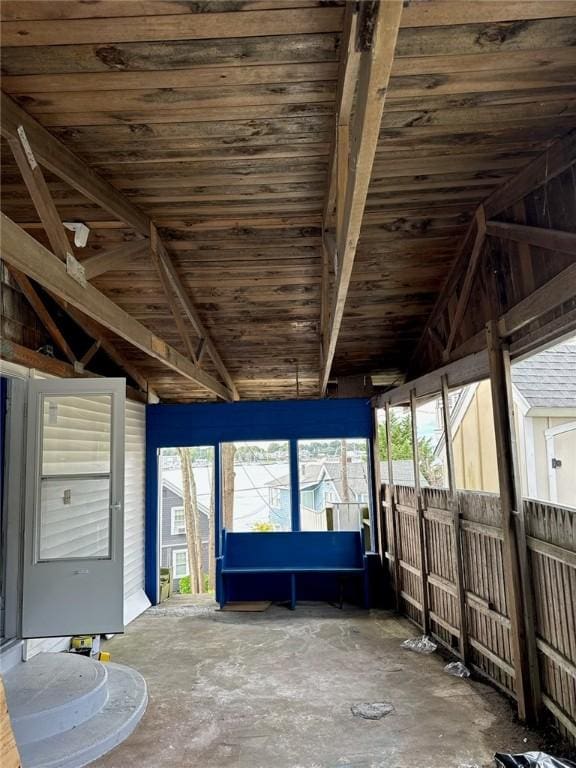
421,644
531,760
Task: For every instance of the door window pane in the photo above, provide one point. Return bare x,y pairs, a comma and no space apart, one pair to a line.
76,434
74,494
334,484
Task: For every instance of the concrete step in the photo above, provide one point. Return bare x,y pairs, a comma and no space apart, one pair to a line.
54,692
78,710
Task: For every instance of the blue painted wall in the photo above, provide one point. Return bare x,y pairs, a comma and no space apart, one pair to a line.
169,426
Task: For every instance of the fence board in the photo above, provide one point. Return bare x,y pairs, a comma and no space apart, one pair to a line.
474,529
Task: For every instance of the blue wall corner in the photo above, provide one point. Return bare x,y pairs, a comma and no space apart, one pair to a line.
203,424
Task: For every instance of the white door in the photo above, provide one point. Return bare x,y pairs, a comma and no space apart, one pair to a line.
73,532
561,455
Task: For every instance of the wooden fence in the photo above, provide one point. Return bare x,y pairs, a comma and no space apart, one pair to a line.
459,595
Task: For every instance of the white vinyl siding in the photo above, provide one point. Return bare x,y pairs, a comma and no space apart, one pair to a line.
135,600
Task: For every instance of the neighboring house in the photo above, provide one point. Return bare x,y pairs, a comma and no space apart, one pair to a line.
544,396
174,551
321,486
402,473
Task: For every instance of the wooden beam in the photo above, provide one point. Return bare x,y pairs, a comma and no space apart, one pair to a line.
40,308
559,289
459,373
551,239
112,259
347,79
193,316
93,330
25,253
558,157
468,279
516,569
157,255
15,353
40,194
55,156
90,352
377,34
561,155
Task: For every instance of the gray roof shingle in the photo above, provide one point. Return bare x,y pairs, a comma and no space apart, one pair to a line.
548,379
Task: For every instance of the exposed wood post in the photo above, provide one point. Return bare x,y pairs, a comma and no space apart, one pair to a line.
396,540
517,575
420,517
456,534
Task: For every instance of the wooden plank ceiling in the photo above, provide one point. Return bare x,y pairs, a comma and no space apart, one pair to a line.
217,119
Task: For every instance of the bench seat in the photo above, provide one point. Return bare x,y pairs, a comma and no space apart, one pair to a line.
339,553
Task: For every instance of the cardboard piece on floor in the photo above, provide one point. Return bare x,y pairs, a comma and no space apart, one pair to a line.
255,606
8,748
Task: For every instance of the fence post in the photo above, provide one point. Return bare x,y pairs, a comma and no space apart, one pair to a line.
378,533
420,517
395,522
457,552
516,570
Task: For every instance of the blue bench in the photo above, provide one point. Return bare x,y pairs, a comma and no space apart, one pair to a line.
291,553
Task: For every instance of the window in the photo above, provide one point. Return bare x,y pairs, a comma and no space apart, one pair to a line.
334,484
180,563
431,443
178,522
473,438
256,486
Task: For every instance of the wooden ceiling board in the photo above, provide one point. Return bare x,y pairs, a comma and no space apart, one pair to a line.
217,120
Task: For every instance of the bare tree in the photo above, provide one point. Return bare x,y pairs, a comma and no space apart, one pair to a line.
228,454
212,533
192,521
344,470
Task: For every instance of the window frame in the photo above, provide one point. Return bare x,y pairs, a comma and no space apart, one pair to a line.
176,575
173,530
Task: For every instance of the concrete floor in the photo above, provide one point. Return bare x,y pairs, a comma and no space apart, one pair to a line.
274,690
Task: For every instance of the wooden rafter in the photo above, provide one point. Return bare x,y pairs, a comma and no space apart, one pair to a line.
158,256
55,156
193,316
40,308
468,278
114,258
558,157
27,254
93,330
376,36
40,194
61,161
551,239
16,353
